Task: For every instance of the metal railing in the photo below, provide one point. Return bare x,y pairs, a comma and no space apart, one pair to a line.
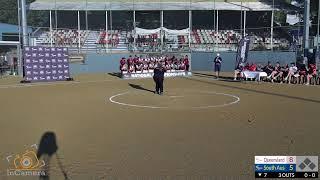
86,41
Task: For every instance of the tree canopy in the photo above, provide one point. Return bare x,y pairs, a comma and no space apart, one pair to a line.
9,14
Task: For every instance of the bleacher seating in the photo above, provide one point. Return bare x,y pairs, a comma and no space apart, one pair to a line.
63,37
151,40
182,39
205,36
201,39
112,37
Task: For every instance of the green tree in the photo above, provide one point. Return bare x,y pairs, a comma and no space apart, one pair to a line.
9,14
8,11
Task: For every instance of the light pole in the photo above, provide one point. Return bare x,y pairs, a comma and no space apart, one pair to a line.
241,26
214,24
24,23
19,20
272,19
306,26
317,52
19,53
190,26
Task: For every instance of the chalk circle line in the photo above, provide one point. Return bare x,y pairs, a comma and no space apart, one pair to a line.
236,100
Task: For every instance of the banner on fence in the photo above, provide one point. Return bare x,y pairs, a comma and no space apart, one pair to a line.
150,75
242,53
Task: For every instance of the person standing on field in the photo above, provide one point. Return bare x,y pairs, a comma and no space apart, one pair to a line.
158,78
217,65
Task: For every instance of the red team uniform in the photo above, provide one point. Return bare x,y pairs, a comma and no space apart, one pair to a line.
186,63
122,63
134,64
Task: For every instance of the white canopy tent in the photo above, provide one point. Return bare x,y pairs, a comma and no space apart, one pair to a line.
177,32
141,31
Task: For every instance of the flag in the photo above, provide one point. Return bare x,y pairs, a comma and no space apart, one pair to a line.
242,53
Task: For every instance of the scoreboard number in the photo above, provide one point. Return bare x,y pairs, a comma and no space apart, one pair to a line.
286,167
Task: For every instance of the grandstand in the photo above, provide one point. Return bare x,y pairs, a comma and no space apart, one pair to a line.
84,91
117,40
107,25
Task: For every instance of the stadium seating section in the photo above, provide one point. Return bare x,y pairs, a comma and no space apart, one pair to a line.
111,38
123,40
63,37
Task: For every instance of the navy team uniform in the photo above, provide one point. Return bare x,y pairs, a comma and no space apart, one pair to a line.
217,64
158,78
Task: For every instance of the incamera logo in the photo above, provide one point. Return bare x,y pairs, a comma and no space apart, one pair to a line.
25,164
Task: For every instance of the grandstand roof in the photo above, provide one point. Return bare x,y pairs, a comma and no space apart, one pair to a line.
145,5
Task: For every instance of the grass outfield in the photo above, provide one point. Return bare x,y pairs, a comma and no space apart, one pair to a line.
101,139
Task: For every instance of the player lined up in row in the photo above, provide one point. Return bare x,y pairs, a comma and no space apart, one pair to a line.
140,64
293,73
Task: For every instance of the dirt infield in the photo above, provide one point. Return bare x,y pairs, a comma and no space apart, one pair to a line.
109,128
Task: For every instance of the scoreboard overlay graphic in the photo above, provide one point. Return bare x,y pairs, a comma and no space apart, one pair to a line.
286,166
45,64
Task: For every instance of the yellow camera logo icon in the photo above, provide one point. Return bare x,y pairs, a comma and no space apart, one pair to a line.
27,161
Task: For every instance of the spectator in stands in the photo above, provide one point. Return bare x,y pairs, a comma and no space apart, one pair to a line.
145,59
293,72
131,39
259,68
186,62
312,73
285,71
140,64
318,77
138,67
182,66
176,65
172,66
135,59
151,65
145,66
124,68
131,68
268,69
173,58
276,72
217,65
252,67
162,62
302,69
168,66
122,62
246,67
130,60
238,70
